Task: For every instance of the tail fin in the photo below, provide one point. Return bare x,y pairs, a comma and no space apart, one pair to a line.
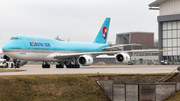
103,32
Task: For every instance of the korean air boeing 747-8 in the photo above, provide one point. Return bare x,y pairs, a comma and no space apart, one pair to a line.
71,54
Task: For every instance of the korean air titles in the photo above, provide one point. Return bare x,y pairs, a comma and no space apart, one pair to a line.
39,44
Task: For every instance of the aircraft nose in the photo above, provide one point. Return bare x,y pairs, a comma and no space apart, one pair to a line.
14,44
11,44
6,46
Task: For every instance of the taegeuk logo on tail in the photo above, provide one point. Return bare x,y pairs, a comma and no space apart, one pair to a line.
104,32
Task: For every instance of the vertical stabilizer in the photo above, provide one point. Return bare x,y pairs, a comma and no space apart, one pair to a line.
103,32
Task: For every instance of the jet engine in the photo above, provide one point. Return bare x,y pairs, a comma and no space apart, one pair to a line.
22,63
122,58
85,60
19,63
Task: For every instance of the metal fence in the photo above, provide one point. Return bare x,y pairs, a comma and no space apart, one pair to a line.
139,91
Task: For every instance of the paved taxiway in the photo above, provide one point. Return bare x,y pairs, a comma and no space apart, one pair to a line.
110,69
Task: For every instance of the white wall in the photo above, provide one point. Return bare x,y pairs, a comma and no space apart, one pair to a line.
170,7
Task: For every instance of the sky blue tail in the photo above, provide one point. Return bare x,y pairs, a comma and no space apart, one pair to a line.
103,32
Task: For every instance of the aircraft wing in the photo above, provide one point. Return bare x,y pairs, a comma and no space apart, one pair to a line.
69,55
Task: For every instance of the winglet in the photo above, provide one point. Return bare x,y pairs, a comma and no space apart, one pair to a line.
103,32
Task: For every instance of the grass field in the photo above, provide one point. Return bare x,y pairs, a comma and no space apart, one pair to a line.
174,97
74,87
50,88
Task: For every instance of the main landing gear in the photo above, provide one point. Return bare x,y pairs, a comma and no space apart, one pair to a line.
16,63
60,65
45,65
69,65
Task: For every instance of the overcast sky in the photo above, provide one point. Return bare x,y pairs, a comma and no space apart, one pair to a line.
76,20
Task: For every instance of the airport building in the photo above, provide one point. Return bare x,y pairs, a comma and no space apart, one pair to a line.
146,58
146,39
169,29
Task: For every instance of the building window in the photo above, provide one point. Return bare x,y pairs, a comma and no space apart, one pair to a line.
171,37
174,34
178,58
165,43
165,34
175,42
175,58
170,58
169,26
174,25
178,33
178,25
175,52
169,42
165,26
165,57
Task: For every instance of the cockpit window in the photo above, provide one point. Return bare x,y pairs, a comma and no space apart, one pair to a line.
14,38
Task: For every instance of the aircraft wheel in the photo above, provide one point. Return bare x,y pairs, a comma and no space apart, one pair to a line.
77,66
7,65
17,66
59,66
12,65
44,66
68,66
48,66
73,66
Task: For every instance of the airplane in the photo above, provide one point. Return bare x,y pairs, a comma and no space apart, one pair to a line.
70,54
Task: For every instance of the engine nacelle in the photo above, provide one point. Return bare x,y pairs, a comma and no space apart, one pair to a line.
85,60
22,63
122,58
